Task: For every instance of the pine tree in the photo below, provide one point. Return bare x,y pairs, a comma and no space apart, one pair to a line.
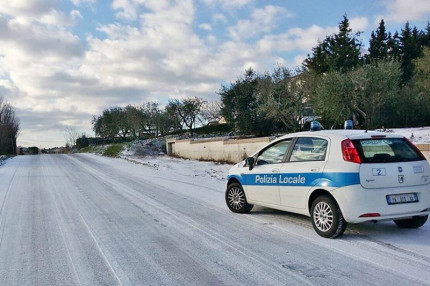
410,49
426,36
393,45
338,52
240,106
378,44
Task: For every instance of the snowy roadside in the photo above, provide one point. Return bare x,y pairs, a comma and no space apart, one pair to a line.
3,159
418,135
211,175
214,175
149,154
199,171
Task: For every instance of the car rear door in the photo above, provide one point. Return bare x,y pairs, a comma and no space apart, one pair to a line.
302,170
391,163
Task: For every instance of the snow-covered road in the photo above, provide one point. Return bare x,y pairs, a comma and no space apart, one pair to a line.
89,220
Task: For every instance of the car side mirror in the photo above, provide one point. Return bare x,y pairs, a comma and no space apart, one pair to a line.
250,162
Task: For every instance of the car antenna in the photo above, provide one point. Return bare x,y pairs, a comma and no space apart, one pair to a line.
365,131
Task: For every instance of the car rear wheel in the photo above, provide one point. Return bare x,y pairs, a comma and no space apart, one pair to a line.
413,222
327,219
236,199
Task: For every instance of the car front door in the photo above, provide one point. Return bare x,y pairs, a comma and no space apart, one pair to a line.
262,183
302,170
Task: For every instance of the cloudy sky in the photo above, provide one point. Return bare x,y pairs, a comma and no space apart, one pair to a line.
62,61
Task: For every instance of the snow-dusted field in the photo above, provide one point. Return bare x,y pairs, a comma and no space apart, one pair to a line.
89,220
416,135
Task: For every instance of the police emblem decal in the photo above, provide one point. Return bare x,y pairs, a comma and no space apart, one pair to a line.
401,179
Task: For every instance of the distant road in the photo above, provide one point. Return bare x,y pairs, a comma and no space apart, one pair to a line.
88,220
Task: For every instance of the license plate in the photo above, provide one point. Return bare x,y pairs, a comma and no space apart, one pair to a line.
402,198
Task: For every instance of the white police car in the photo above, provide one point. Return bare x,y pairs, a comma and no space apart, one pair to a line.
336,177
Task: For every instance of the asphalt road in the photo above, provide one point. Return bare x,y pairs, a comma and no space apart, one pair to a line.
79,220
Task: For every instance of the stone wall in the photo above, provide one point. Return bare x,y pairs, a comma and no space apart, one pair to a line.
229,150
218,149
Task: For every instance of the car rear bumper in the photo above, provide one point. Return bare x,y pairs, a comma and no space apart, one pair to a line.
357,202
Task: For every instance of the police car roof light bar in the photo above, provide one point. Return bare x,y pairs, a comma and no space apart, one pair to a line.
348,124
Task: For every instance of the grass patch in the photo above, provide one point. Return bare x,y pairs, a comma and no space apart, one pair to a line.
98,149
113,150
88,149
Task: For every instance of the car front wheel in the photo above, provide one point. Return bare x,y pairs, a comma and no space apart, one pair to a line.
236,199
413,222
327,219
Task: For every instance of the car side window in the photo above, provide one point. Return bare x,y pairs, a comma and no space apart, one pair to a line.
309,149
274,154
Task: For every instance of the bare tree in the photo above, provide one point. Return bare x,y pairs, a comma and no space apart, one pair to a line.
211,111
186,111
71,135
9,128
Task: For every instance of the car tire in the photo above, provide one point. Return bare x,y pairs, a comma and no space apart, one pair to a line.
236,199
327,218
413,222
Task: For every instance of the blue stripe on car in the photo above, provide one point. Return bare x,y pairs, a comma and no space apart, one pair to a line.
335,180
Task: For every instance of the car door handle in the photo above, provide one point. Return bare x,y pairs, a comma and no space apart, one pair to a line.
275,170
315,169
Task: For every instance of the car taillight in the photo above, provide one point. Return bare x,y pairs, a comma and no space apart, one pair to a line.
349,152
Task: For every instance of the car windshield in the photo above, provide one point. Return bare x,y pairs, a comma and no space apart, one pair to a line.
386,150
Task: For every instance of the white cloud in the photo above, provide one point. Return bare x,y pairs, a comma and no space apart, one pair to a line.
27,7
22,38
206,27
163,50
358,24
47,74
60,19
43,11
295,39
228,4
126,9
83,2
33,50
400,11
261,21
219,18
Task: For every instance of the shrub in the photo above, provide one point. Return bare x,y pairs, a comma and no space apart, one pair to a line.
217,128
113,150
88,149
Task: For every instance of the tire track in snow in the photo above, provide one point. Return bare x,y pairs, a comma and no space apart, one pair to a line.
3,205
58,217
175,218
62,224
393,260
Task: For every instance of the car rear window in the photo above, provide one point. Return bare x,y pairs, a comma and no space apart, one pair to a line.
386,150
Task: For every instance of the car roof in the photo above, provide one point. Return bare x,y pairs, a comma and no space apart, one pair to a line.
345,133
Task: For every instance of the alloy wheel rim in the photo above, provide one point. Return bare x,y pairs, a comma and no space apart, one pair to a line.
236,198
323,216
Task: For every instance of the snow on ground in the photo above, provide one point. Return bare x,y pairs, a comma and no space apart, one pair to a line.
192,169
419,135
382,245
214,175
3,159
149,153
210,175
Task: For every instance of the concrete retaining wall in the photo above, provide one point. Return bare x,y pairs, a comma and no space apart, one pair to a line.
425,149
219,149
229,150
